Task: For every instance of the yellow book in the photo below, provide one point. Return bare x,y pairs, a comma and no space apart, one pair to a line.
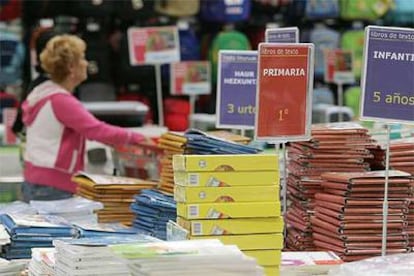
229,210
272,270
249,242
223,179
225,162
205,227
269,257
226,194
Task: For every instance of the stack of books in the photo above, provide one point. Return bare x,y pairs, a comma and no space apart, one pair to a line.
116,193
42,262
4,236
338,147
11,268
28,231
349,213
153,209
197,142
233,198
185,258
402,155
172,143
308,263
92,256
75,209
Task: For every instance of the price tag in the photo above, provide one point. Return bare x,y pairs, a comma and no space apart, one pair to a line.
388,75
282,35
190,78
338,66
153,45
236,89
284,92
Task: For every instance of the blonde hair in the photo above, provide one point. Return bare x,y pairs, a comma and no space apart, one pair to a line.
61,52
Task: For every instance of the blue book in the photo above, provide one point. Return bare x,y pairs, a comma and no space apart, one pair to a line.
37,225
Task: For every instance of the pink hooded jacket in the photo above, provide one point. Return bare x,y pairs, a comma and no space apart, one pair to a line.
57,128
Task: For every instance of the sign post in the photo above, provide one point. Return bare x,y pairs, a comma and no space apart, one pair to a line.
284,93
154,45
388,87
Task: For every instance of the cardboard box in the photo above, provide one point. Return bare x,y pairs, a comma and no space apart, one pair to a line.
224,179
229,210
225,162
249,242
205,227
226,194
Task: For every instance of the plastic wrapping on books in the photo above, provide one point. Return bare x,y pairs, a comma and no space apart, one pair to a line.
390,265
70,205
17,207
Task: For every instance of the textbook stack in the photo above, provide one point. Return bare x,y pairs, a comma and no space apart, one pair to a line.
196,142
42,262
349,213
172,143
410,220
186,258
4,236
11,268
153,209
340,147
402,155
75,209
28,231
233,198
116,193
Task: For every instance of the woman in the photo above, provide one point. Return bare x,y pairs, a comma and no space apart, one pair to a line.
57,124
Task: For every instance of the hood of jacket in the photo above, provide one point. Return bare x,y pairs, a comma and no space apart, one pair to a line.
37,98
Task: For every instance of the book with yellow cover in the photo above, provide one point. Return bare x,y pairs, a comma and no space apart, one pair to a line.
249,242
205,227
225,162
101,181
272,270
268,257
226,194
224,179
228,210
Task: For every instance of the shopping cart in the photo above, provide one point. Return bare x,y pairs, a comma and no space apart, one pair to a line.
139,161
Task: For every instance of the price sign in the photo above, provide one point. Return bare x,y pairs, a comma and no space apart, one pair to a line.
388,75
190,78
338,66
282,35
153,45
236,89
284,92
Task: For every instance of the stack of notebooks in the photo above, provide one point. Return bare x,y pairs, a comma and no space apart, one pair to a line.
185,258
75,209
172,143
116,193
28,231
339,147
349,212
233,198
4,236
402,155
11,268
197,142
92,256
410,221
153,209
42,262
296,263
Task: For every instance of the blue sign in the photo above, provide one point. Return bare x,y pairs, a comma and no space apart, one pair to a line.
236,89
388,75
282,35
